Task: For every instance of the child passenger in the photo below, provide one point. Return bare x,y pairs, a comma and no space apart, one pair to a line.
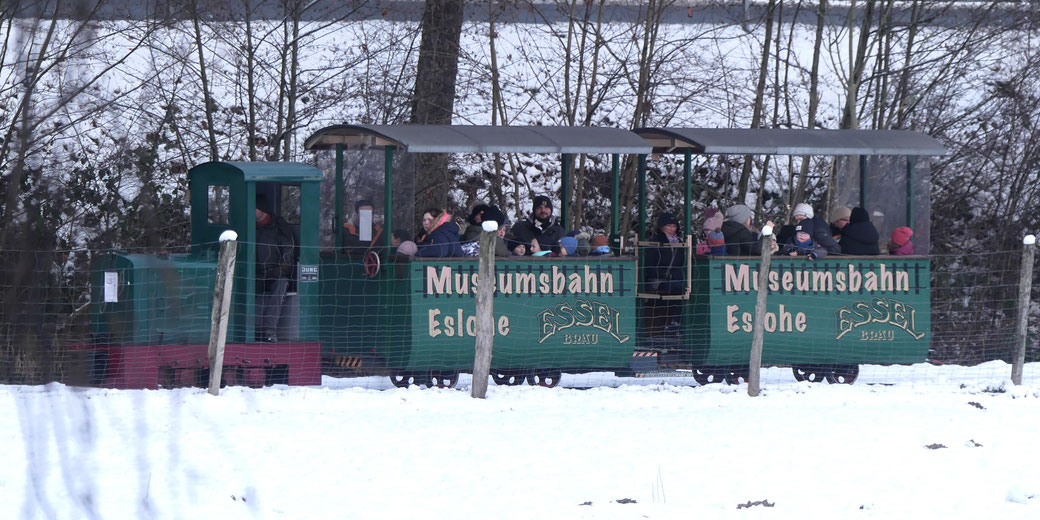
801,242
900,243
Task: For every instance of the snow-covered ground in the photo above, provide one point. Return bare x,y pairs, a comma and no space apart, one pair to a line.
633,448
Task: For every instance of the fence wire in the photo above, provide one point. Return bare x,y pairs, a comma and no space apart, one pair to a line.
104,318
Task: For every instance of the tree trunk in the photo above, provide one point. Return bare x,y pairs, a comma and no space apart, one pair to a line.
756,117
434,97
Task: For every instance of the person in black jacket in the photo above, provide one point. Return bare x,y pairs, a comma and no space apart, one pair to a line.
277,252
665,274
859,236
741,237
664,265
541,226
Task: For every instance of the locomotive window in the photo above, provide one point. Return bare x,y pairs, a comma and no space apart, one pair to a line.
219,206
291,204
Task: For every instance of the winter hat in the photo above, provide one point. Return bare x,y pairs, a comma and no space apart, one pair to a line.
513,242
598,241
714,221
264,204
840,213
541,200
570,244
739,213
408,248
716,239
805,226
666,218
901,235
362,202
477,211
493,213
803,209
859,215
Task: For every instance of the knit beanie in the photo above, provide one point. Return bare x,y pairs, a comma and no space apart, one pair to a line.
805,226
901,235
713,222
598,240
804,210
840,213
666,218
570,244
739,213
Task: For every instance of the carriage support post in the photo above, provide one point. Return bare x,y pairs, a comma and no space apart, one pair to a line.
1025,286
642,197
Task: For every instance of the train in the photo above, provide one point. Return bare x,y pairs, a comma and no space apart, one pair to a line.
412,319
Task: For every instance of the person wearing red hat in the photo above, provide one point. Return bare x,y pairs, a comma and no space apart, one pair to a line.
900,243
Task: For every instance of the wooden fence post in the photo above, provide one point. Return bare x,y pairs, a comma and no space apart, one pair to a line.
221,307
755,364
485,308
1025,286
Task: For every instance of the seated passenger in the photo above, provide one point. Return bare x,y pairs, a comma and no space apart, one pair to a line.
541,226
900,243
740,234
821,230
471,238
839,219
442,235
402,242
568,246
859,236
801,242
712,241
600,246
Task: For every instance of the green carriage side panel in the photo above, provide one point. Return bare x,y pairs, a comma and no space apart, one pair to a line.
359,314
548,313
158,301
833,310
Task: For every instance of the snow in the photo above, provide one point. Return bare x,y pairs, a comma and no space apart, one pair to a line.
933,442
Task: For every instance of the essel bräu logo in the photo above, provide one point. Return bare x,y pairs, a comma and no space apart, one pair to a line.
584,313
877,310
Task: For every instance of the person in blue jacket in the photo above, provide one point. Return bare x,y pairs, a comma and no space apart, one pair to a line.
442,235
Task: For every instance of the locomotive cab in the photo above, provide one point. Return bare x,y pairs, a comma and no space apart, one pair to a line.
223,196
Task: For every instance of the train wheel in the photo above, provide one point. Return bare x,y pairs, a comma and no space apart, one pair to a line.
405,379
735,377
443,379
843,374
548,379
810,373
507,378
707,376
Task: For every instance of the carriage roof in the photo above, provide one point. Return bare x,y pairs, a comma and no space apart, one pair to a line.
481,139
787,141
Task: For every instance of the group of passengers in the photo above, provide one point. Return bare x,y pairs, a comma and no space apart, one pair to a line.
540,235
850,232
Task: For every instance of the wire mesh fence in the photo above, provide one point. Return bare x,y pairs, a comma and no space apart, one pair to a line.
141,319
